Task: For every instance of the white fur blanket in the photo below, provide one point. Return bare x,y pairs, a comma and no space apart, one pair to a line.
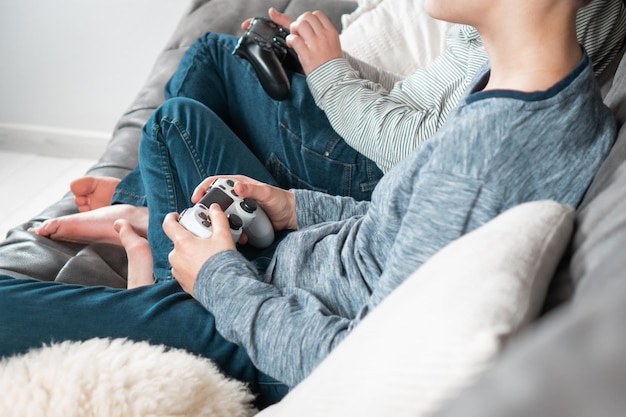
112,378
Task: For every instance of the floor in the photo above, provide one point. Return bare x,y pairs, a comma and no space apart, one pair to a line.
33,182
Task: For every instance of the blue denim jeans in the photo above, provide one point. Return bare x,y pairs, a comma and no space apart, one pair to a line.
183,143
36,313
291,139
217,119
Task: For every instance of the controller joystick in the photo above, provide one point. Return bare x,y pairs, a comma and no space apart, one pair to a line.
264,45
244,215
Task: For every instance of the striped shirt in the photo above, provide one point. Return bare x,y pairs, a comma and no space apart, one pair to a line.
385,116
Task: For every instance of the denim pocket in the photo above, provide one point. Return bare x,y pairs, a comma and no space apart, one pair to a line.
322,161
286,178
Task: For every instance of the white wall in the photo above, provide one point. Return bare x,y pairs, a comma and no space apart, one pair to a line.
75,65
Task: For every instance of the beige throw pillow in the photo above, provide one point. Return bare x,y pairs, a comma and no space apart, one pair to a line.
397,36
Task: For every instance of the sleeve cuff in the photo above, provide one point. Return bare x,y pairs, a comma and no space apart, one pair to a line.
217,270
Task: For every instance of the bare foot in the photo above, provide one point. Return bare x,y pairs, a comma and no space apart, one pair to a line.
95,226
138,253
93,192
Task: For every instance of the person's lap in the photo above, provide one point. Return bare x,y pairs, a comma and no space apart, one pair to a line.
292,138
36,313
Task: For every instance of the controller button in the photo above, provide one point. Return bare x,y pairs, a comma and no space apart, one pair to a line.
202,215
230,183
206,223
248,205
235,222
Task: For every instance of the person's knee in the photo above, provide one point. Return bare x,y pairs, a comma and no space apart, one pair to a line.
212,40
175,110
207,54
179,110
175,119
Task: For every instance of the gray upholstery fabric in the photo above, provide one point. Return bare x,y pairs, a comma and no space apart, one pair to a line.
571,365
595,261
23,254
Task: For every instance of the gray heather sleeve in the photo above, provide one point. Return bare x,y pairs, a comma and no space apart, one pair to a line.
386,119
285,331
314,207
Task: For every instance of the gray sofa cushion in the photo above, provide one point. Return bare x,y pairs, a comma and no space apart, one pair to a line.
23,254
571,365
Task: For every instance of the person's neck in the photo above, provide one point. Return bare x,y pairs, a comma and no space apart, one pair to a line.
534,61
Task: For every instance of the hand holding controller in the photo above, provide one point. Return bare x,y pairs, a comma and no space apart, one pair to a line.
264,45
243,215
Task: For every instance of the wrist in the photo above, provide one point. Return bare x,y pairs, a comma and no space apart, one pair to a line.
293,221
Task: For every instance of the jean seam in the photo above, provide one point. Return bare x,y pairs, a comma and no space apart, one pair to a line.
347,180
165,163
130,194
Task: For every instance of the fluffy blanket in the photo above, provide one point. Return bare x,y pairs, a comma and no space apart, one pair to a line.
112,378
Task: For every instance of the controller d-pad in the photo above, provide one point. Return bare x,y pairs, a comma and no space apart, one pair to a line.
263,44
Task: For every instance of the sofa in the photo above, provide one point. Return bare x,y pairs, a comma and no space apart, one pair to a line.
455,347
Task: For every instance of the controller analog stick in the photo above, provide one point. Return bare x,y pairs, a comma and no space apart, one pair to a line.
249,205
235,222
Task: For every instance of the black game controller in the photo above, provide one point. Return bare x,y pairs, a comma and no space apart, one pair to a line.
264,45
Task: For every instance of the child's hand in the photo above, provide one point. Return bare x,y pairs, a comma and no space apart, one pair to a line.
315,40
277,17
278,204
191,252
313,37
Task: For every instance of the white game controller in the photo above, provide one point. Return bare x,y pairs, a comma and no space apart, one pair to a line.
243,215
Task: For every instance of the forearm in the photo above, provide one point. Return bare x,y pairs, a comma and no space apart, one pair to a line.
314,207
369,72
387,122
285,332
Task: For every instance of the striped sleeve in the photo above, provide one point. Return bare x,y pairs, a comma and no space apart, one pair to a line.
385,118
601,29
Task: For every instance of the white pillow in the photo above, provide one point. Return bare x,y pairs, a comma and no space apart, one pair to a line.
397,36
439,330
362,7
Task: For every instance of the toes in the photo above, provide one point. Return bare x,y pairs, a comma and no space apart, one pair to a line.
138,252
129,238
82,186
47,228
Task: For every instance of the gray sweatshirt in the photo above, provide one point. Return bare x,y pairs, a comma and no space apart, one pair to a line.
498,149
